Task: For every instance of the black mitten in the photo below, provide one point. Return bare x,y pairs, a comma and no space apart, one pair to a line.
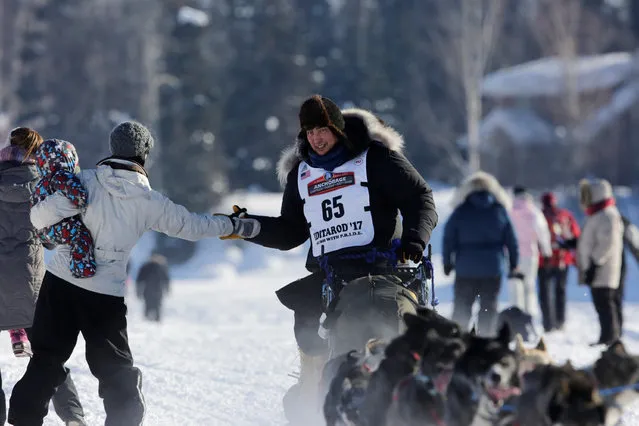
589,276
410,250
448,269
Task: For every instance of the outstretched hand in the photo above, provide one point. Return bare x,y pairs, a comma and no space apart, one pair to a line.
242,226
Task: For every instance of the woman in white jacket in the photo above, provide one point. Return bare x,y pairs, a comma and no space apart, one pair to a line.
121,207
533,236
599,254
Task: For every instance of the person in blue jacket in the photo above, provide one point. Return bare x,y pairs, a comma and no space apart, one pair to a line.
475,236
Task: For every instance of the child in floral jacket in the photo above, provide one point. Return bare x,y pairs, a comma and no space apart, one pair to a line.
57,163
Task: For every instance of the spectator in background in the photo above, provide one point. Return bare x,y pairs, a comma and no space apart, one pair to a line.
533,236
22,262
631,242
152,283
474,239
553,271
599,253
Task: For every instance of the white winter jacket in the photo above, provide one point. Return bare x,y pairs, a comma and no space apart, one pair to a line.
601,241
122,206
531,227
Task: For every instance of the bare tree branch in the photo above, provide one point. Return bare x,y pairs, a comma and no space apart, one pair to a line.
480,25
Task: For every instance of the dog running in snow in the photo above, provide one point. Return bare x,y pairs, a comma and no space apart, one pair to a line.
560,395
403,358
484,377
418,399
350,374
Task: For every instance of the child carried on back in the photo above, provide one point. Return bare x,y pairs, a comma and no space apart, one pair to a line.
57,163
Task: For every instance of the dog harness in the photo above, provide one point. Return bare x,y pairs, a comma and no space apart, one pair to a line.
434,415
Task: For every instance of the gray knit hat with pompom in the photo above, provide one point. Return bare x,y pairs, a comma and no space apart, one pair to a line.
131,139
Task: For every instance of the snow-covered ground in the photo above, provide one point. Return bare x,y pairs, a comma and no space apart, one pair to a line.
224,351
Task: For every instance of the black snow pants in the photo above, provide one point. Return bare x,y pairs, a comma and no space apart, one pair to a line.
552,297
66,401
64,310
466,291
620,295
153,308
605,301
304,298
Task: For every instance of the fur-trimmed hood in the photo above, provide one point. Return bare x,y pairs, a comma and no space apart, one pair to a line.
481,181
362,128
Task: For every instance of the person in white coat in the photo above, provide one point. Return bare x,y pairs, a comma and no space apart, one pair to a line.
121,207
533,237
599,254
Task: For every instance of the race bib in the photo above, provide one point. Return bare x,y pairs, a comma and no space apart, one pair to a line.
337,205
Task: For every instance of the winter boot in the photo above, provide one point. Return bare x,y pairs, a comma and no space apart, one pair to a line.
303,402
20,343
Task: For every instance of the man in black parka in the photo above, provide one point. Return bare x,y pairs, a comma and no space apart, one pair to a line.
346,182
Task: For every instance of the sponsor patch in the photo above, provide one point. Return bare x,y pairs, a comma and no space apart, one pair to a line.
323,185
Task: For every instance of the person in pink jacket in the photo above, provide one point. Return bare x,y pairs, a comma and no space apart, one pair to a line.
533,236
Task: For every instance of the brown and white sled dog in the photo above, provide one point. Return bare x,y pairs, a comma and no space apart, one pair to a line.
529,358
560,396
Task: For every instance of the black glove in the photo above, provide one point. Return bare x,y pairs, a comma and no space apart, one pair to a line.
448,269
570,244
589,276
410,250
514,273
238,212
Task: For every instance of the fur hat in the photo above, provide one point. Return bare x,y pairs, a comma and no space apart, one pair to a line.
318,111
131,139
